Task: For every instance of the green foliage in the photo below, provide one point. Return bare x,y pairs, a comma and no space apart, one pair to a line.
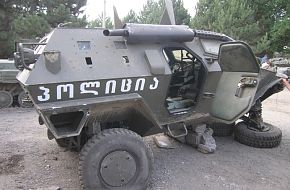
280,35
263,24
151,13
273,18
30,26
57,15
131,17
99,21
78,22
263,44
153,10
234,18
181,14
33,18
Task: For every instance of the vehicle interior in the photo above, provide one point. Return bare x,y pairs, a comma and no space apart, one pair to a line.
185,80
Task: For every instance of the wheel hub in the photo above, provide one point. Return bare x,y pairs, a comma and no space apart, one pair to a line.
6,99
118,168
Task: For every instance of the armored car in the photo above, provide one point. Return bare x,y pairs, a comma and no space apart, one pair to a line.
99,91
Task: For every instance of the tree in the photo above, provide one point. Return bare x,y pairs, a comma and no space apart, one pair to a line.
153,10
30,26
99,21
274,19
280,35
151,13
131,17
263,44
33,18
263,24
63,11
181,14
232,17
7,14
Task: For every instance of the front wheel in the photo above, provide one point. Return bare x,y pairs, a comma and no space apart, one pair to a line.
115,159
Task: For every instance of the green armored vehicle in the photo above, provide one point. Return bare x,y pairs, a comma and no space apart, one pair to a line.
100,91
10,90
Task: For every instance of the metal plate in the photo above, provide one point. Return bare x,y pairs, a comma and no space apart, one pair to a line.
118,168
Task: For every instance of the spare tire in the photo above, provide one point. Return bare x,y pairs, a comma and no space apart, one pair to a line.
256,138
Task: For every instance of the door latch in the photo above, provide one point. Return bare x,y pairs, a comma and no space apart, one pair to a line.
245,82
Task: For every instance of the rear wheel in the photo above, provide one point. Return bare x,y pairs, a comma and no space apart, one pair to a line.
261,139
115,159
6,99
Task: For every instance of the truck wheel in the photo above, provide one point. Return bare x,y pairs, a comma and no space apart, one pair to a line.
255,138
221,129
115,159
6,99
24,100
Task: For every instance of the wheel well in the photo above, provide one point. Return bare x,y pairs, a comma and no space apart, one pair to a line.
134,121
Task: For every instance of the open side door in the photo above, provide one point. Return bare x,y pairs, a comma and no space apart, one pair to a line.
238,83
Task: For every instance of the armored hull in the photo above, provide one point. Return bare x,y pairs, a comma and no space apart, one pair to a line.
99,91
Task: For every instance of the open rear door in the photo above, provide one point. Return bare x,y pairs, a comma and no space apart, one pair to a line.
238,84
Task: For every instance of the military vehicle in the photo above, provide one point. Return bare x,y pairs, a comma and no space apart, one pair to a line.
99,91
10,90
281,65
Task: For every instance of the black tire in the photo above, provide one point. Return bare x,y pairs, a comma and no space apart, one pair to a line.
114,153
256,138
221,129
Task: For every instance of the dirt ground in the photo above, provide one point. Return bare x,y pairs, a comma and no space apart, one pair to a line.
28,160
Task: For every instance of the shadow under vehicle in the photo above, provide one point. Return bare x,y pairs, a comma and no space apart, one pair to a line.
99,91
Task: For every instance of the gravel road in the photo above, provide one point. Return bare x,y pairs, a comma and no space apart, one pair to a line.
28,160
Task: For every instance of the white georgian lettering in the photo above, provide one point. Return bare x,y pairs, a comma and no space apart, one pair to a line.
85,85
155,85
64,88
45,95
126,85
140,83
110,87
